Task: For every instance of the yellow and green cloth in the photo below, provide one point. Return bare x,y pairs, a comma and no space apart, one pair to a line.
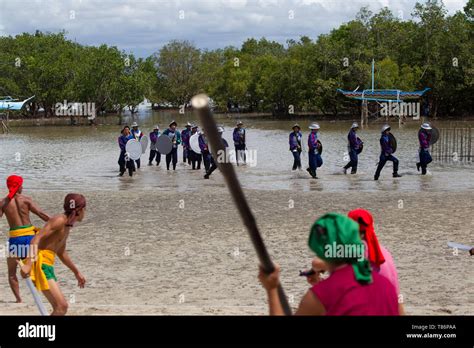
23,231
43,269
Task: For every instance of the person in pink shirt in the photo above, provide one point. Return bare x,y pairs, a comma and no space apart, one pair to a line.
380,258
352,287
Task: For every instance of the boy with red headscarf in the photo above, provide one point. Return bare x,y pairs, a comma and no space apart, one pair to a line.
51,241
17,209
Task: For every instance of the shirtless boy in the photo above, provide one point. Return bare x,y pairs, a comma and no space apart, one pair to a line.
48,243
17,208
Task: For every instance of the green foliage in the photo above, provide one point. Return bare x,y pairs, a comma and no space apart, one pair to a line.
55,69
430,50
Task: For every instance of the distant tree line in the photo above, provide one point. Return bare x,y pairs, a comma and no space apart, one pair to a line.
431,49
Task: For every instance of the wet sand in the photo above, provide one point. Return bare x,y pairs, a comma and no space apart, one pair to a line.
139,260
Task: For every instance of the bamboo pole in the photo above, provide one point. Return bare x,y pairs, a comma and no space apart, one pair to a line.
438,144
445,147
457,142
454,142
433,151
470,144
201,104
34,293
448,147
445,152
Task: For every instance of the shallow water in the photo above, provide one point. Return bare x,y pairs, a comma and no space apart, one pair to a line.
75,158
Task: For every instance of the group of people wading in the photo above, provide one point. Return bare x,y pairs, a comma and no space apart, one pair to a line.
190,156
355,147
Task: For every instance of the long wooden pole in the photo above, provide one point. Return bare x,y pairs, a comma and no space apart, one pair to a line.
36,296
201,104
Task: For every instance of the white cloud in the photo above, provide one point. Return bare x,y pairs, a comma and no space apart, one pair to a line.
143,26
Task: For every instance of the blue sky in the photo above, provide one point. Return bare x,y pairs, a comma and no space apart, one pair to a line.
143,26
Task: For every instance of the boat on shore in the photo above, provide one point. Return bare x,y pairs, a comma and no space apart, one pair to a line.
8,103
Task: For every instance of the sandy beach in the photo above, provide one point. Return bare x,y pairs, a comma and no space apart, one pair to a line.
149,252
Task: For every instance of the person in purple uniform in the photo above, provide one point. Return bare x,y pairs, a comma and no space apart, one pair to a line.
424,137
154,153
239,137
196,158
314,150
354,147
295,146
125,162
175,137
206,154
185,136
386,154
209,163
137,134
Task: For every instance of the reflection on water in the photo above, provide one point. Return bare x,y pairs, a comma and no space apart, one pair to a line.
75,158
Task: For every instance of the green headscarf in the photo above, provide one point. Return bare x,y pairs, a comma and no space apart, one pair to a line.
332,232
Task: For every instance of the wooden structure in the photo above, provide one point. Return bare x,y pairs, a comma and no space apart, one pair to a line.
4,123
379,96
455,144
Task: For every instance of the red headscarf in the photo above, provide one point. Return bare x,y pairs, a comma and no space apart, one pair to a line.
14,183
362,216
72,203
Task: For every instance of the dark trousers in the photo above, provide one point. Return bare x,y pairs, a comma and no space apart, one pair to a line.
296,159
212,167
353,162
196,158
425,159
173,155
125,164
315,160
206,157
383,159
186,155
240,153
154,155
138,163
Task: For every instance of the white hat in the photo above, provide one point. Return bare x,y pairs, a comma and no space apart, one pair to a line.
385,127
426,126
296,125
188,124
239,122
220,129
134,124
157,127
172,123
194,126
355,125
314,126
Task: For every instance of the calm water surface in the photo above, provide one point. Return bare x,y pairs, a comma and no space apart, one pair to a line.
85,158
